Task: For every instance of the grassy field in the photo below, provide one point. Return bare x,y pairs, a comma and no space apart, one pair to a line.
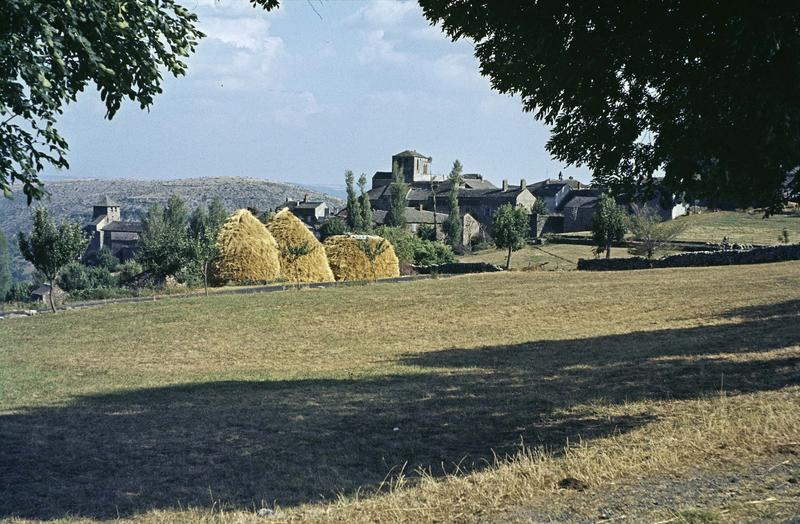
547,257
668,395
740,227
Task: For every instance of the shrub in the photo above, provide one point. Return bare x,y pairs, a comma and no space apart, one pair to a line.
105,259
129,270
247,250
350,261
332,226
302,257
426,232
73,277
19,292
411,249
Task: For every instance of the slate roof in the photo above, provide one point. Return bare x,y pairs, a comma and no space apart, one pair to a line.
124,227
548,190
412,153
303,205
413,216
581,201
105,201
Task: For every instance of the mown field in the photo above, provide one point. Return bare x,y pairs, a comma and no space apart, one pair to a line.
740,227
667,395
548,257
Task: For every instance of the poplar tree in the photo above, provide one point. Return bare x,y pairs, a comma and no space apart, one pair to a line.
5,267
364,205
396,217
453,225
609,224
354,217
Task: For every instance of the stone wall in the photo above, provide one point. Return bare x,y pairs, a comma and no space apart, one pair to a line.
458,268
546,224
759,255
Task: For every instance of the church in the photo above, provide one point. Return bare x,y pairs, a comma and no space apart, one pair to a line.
107,229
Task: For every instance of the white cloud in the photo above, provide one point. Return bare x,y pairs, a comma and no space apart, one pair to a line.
387,12
377,49
296,108
459,70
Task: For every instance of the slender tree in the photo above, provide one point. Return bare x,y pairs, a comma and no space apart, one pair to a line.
50,248
163,248
202,241
454,225
650,232
510,228
398,191
609,224
363,203
354,217
216,213
5,267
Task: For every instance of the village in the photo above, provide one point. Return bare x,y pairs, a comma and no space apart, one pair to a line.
235,287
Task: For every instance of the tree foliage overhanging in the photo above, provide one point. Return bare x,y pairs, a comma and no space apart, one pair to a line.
50,50
705,92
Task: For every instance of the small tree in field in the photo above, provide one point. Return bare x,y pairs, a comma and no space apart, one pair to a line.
202,240
49,249
608,224
5,267
650,232
510,229
373,252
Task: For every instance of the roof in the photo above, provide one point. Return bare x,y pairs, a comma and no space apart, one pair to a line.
489,194
293,204
549,190
44,289
105,201
413,216
125,227
581,201
412,153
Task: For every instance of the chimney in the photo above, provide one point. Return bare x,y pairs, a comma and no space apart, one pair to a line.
560,176
522,184
305,197
505,185
419,206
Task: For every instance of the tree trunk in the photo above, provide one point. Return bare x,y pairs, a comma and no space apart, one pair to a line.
205,276
433,191
52,289
508,260
608,250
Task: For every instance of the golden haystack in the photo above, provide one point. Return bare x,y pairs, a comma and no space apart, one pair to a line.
348,256
302,256
247,250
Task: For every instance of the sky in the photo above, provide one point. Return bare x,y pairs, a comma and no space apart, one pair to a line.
306,92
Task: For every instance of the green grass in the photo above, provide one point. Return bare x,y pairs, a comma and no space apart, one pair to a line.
172,410
546,257
739,227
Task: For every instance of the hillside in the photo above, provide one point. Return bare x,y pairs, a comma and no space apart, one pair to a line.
661,393
74,198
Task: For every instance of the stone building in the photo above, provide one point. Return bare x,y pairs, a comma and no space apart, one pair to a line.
107,229
309,211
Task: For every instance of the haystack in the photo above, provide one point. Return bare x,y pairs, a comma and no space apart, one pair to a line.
302,256
247,250
349,260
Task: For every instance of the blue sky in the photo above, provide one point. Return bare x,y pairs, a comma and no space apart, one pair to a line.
296,96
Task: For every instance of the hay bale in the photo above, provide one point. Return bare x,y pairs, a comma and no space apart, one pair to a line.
247,251
302,256
349,261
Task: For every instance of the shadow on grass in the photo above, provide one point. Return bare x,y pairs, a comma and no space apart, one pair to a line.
244,443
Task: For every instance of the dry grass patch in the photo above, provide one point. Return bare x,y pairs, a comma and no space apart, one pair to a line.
228,404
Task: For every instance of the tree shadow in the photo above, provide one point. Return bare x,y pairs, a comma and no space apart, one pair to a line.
248,442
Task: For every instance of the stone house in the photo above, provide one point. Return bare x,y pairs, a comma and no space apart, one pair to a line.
107,229
311,212
42,295
417,217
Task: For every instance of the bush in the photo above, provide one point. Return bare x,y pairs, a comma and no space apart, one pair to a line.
411,249
105,259
76,277
247,250
129,270
426,232
332,226
19,292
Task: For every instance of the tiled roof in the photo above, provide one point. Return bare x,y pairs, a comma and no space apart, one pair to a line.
126,227
412,153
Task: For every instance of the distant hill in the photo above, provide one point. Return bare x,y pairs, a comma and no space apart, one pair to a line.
74,198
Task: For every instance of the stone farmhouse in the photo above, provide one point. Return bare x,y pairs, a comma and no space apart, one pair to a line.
312,213
107,229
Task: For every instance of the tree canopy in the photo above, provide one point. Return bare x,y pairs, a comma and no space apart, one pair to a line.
703,92
510,227
50,50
